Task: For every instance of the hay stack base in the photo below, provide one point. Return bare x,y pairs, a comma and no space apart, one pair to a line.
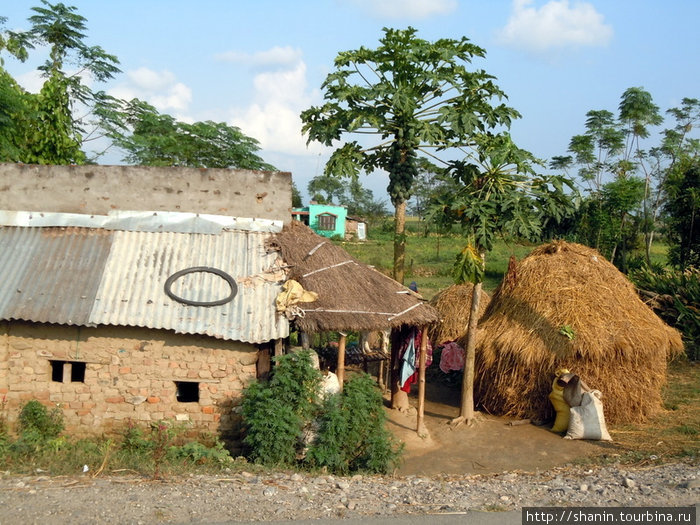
565,306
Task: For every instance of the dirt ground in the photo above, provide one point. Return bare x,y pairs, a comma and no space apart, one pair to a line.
489,446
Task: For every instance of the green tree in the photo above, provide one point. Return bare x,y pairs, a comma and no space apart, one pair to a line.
53,134
417,97
499,194
155,139
296,197
637,113
326,189
683,209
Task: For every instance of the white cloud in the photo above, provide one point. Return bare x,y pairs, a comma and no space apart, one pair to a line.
556,24
416,9
159,88
276,57
32,81
273,117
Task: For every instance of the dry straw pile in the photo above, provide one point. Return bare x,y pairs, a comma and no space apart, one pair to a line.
565,306
351,295
453,304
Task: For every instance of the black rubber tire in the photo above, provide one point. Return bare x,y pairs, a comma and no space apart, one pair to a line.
226,277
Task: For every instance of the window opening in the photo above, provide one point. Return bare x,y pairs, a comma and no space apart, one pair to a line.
187,391
67,371
77,372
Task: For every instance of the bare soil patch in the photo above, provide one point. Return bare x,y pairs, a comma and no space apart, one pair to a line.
493,444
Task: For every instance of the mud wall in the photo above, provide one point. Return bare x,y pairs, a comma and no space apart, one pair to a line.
100,189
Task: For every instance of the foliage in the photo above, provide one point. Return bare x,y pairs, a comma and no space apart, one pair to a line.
275,411
499,195
48,132
35,418
683,212
359,200
417,97
678,301
618,208
160,140
352,436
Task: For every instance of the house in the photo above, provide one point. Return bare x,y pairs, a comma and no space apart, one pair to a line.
117,308
328,220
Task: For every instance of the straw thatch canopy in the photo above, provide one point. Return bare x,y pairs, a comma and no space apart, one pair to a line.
351,294
453,305
565,306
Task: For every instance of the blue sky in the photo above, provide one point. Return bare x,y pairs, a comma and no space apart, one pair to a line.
257,64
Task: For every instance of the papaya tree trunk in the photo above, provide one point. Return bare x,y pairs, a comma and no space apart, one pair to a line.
399,241
466,405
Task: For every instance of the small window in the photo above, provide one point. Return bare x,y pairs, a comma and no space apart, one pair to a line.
67,371
326,222
77,372
187,391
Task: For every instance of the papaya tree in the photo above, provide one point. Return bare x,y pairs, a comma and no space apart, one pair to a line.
498,193
417,98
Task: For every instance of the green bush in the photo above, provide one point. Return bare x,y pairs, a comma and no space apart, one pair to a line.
275,411
36,419
352,436
681,292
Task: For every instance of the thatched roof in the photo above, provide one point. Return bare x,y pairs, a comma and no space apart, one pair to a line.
351,294
453,305
617,345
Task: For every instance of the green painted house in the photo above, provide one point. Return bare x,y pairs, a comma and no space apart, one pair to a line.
325,219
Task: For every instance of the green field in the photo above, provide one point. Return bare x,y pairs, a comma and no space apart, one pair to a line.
429,258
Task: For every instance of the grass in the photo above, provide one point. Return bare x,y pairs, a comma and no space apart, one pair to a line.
675,432
429,259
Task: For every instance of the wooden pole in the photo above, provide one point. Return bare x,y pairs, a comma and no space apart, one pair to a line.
279,347
420,424
340,369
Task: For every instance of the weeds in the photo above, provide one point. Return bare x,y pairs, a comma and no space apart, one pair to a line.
152,451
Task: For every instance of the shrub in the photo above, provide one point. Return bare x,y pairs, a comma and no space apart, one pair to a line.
679,304
36,419
275,411
352,436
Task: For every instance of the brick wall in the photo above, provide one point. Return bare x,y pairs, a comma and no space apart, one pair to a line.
105,376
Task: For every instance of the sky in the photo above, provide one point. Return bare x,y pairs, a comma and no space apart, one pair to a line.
257,64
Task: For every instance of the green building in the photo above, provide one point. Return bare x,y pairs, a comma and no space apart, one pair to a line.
325,219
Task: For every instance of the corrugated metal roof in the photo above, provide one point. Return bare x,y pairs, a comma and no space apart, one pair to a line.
93,276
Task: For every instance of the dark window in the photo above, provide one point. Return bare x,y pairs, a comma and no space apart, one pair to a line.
326,222
77,371
57,371
187,391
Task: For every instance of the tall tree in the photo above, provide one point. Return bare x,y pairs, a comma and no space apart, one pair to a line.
499,194
417,97
637,113
55,135
155,139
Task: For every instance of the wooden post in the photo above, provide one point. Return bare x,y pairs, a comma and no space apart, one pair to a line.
340,369
279,348
420,424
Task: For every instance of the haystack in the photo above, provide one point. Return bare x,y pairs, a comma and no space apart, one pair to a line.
565,306
453,305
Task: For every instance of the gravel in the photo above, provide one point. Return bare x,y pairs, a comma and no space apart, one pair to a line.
245,496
